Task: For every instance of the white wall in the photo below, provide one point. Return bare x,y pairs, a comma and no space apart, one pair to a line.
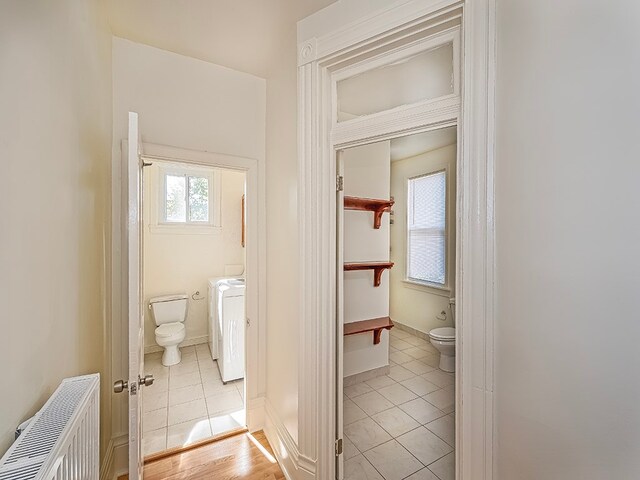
415,305
567,240
55,119
186,103
367,173
182,262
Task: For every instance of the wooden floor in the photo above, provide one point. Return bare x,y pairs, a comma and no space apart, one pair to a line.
246,455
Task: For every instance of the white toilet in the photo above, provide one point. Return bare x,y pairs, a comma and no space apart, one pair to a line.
444,339
169,313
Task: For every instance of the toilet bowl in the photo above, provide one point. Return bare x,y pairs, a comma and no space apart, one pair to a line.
169,313
444,339
169,336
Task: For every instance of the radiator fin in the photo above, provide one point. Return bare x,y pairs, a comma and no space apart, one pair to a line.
62,438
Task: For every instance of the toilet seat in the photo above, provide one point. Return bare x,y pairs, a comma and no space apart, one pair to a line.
443,334
169,329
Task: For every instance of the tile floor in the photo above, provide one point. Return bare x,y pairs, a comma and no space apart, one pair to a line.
402,425
188,402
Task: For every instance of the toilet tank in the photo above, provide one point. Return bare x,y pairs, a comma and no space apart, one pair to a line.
169,308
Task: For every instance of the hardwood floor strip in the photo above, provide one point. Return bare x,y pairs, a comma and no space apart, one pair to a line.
177,450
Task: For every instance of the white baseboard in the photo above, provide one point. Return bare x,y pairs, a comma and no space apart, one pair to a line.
294,465
186,343
120,456
106,468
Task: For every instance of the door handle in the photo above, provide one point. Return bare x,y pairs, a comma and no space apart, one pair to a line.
120,386
147,380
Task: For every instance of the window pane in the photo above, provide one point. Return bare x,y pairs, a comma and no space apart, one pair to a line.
426,228
175,200
198,199
425,76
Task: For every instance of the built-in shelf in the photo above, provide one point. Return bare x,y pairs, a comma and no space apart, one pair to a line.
377,267
378,207
375,325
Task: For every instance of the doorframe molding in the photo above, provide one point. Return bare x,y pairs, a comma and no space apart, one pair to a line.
475,244
256,284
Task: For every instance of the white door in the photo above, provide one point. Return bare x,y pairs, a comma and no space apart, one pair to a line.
339,319
135,310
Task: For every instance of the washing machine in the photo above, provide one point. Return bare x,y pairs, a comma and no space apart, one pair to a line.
227,325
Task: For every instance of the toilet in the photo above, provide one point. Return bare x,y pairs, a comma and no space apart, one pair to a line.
444,339
169,313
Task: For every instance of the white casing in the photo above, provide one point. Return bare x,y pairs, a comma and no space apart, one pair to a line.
227,327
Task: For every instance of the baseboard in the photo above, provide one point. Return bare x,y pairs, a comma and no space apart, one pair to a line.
188,342
120,456
106,468
411,330
294,465
364,376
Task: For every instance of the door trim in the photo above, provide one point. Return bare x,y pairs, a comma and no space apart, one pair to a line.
317,215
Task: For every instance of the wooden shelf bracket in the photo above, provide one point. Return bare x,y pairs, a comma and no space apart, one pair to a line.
377,267
378,207
375,325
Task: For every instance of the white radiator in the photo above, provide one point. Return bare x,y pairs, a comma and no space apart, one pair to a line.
63,439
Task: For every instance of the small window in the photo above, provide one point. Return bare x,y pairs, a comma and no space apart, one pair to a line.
426,229
186,197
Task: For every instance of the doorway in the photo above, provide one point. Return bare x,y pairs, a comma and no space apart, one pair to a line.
397,240
194,261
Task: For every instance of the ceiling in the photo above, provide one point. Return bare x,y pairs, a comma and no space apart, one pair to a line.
241,34
412,145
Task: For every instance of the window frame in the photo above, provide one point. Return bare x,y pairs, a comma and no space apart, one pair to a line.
414,282
160,224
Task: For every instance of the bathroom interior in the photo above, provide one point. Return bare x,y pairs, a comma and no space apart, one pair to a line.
398,297
194,297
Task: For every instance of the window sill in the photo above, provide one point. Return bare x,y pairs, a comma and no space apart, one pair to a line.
423,287
185,229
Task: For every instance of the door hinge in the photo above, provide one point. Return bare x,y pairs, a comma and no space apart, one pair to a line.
339,183
338,447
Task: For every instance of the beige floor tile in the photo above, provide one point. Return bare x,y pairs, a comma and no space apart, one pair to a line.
154,399
416,341
224,423
396,332
443,399
392,461
359,468
349,449
357,389
397,393
421,411
185,394
420,386
445,468
154,441
224,403
372,403
399,344
395,421
424,474
366,434
381,381
399,373
445,428
424,445
188,432
180,381
440,378
416,352
154,420
418,367
400,357
183,368
187,411
352,413
159,385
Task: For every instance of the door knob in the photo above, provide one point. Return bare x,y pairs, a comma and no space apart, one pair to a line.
120,386
147,381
